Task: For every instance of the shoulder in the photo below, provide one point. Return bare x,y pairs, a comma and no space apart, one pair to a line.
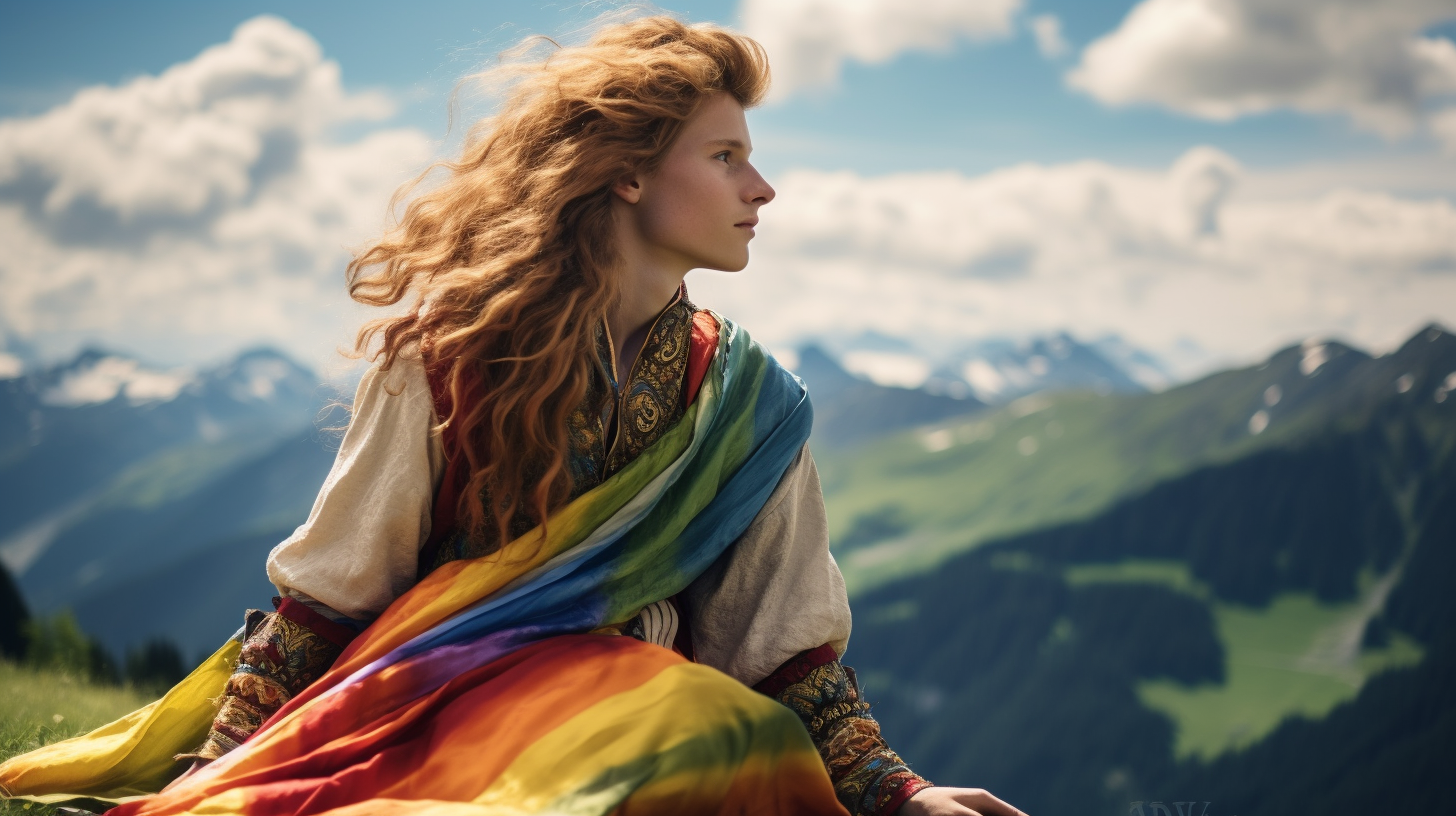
797,486
395,386
406,372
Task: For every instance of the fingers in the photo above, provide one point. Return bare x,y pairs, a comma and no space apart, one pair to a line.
981,801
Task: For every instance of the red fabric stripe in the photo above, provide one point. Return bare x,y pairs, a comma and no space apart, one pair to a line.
702,345
456,745
373,741
795,669
298,612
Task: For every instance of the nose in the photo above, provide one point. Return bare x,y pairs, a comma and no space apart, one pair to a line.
759,192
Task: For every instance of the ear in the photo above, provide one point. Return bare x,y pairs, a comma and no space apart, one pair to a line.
628,188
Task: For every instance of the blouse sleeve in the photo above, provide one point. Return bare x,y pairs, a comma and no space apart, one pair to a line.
359,549
777,590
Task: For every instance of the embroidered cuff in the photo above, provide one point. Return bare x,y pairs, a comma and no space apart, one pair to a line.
283,652
869,778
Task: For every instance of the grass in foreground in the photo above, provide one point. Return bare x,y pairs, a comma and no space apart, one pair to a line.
41,707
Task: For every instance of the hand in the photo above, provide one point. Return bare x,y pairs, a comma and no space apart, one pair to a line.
192,769
938,801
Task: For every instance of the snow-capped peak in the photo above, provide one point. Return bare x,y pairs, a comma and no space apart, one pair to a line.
997,370
97,378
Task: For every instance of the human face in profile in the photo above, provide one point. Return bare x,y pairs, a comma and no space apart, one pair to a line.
699,206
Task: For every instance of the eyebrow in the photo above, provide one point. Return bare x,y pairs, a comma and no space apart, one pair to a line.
734,143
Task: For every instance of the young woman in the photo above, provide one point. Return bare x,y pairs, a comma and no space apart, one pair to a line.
572,555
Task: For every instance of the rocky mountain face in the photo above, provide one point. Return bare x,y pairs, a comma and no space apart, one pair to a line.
67,430
1000,371
849,410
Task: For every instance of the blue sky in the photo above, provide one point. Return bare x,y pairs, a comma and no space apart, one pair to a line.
979,107
1322,171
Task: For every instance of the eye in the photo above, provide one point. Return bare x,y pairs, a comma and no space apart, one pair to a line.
724,156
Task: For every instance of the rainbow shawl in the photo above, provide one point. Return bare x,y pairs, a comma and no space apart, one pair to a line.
483,690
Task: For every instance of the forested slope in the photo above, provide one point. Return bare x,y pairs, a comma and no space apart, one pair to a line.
1055,666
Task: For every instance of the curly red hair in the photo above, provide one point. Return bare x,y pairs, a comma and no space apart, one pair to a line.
510,259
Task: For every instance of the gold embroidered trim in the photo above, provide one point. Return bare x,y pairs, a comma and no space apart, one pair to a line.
652,398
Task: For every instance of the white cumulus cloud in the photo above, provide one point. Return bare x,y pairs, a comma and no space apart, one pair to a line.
1222,59
1443,125
1175,260
205,207
809,41
1047,28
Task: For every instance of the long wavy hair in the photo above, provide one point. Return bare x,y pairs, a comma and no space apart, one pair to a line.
510,260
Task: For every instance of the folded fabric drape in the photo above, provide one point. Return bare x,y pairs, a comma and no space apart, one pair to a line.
483,689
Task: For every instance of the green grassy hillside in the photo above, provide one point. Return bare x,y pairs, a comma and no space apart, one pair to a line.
903,504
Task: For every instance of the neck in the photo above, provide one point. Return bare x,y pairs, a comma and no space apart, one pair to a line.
649,278
632,318
639,304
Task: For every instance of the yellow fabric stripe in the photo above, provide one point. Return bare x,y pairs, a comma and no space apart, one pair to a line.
685,701
793,783
132,756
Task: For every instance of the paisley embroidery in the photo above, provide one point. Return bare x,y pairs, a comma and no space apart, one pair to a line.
655,386
644,412
280,658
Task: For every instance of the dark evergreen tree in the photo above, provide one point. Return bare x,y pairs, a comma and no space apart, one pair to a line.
13,618
155,666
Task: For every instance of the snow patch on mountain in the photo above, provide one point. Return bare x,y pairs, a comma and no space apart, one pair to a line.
891,368
102,379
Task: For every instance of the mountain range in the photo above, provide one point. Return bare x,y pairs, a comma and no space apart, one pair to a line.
997,370
117,473
128,480
1087,591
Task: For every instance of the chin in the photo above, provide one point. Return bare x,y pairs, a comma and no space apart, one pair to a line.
724,265
731,263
